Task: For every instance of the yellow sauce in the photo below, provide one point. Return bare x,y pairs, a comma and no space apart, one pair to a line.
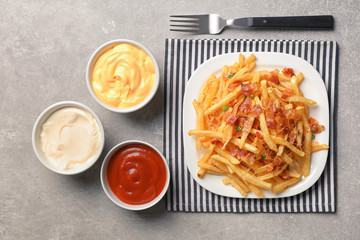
123,76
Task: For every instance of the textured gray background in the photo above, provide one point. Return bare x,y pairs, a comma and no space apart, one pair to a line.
44,49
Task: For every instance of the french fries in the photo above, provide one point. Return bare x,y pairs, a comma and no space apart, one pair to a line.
255,128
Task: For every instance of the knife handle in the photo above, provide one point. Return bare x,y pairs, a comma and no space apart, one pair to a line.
323,22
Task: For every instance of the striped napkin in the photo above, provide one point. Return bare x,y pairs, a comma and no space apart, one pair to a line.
182,57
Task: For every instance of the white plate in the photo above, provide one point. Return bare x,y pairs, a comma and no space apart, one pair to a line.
312,86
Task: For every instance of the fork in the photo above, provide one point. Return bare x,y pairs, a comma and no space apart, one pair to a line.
214,23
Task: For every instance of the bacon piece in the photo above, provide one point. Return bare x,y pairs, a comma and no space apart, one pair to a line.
287,93
232,86
250,157
255,87
237,152
247,126
256,110
230,119
320,128
272,78
293,135
270,120
245,106
238,134
289,113
313,121
270,154
246,89
270,105
278,162
289,72
242,121
269,167
256,124
259,135
232,103
249,89
285,175
315,127
281,128
217,142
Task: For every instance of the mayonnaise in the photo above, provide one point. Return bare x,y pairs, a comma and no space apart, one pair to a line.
70,137
123,76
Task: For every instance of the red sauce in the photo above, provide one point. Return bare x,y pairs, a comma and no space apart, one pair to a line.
136,174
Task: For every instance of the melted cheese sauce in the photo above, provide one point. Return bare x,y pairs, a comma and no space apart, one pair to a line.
123,76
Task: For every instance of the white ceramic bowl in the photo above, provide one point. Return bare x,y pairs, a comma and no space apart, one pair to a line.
36,139
94,57
107,189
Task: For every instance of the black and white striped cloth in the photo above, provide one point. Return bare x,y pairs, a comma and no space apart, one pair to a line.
182,57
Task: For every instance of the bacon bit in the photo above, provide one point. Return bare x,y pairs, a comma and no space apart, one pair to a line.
237,152
245,106
232,103
217,142
281,128
256,111
259,135
290,123
285,174
293,135
247,126
256,124
232,86
231,119
246,89
289,72
278,162
289,113
270,154
249,89
269,167
238,134
320,128
313,121
287,93
272,78
242,121
315,127
255,87
250,157
270,105
270,120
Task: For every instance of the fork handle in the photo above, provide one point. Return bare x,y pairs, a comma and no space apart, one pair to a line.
324,22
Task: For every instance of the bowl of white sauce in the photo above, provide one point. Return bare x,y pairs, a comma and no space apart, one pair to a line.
68,137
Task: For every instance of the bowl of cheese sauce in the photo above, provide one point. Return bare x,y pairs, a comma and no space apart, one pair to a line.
122,76
68,137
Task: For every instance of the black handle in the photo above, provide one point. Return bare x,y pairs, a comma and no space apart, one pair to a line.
326,21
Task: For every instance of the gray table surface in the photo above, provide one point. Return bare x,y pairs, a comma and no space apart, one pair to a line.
44,49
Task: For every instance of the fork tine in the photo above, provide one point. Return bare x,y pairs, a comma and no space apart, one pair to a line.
186,26
185,21
185,16
184,30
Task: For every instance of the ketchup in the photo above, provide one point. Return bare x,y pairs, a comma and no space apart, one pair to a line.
136,174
